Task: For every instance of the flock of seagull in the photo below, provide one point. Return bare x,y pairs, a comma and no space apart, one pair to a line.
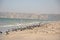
22,28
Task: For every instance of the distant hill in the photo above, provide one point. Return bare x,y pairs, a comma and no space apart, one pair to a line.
30,16
22,15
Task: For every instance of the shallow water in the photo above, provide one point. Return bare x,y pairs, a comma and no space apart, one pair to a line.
9,23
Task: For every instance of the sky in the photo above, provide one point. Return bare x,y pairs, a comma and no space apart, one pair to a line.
30,6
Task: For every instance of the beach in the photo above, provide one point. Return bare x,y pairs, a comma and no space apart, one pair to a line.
30,20
49,31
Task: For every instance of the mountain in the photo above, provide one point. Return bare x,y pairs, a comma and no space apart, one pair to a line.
30,16
23,15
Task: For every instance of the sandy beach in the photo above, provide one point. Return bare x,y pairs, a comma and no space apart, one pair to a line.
50,31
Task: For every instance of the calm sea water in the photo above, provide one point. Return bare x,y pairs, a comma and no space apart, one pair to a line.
9,23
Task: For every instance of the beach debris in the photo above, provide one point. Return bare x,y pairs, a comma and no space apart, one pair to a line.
7,32
0,32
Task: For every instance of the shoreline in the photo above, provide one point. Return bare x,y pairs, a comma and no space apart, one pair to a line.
50,31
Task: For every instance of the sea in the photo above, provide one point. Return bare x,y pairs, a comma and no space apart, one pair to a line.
10,23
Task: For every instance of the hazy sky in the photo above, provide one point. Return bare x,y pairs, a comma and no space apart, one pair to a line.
30,6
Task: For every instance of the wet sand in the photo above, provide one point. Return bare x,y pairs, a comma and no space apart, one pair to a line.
50,31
